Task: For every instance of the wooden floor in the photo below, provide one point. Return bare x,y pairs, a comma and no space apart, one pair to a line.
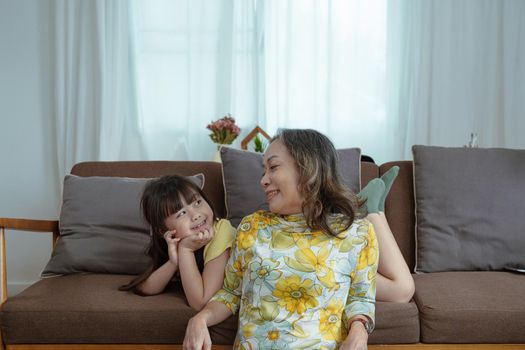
227,347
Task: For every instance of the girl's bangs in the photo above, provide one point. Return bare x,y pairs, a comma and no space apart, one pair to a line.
174,200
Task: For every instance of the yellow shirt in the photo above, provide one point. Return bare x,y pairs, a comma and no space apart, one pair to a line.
223,239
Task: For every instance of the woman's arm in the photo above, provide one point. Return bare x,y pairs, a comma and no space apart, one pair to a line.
200,288
197,335
360,304
158,280
357,338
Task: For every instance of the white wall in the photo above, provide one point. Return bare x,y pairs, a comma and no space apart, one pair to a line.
28,177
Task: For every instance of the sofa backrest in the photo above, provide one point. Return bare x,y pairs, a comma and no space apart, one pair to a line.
213,186
399,204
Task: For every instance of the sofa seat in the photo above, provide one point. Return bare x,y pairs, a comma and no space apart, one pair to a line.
82,308
396,323
471,307
89,308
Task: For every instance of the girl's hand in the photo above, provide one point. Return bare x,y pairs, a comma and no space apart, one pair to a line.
172,242
357,338
197,240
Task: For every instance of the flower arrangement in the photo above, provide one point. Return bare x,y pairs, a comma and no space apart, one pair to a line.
224,131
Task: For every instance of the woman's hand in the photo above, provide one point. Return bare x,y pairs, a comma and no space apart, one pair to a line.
172,242
357,338
197,335
197,240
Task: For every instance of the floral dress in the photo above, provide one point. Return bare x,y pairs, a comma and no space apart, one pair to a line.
295,288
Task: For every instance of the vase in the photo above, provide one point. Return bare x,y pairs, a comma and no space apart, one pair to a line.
217,155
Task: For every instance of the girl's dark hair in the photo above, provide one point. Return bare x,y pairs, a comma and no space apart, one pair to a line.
320,182
161,198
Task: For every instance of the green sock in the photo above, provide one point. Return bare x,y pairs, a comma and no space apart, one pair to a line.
373,192
388,178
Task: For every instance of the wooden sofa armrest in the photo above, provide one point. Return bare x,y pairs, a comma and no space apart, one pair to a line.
20,225
29,225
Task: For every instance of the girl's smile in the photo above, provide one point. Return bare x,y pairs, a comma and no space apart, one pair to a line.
192,218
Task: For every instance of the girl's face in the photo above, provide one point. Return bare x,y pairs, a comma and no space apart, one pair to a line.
193,217
280,180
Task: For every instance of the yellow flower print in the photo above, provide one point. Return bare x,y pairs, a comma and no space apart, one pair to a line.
248,330
273,335
231,281
265,269
321,240
246,235
307,261
330,322
266,220
369,254
296,295
238,266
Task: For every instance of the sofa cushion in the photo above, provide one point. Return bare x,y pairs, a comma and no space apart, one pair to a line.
471,307
396,323
89,308
242,172
101,227
469,206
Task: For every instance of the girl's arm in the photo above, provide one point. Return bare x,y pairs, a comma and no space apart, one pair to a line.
158,280
200,288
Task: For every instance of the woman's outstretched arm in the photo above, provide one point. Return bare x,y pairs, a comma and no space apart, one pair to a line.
197,336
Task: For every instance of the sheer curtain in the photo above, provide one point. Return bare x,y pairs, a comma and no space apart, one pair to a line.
142,79
271,63
93,80
196,62
325,65
457,67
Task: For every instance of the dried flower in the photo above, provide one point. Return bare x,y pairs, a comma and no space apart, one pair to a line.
224,131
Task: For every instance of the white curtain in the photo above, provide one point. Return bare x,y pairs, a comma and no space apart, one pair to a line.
142,79
271,63
196,62
457,66
325,65
93,85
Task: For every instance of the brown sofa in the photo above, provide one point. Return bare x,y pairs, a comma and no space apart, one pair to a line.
450,310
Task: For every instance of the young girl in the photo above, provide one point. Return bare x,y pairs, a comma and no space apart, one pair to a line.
303,274
182,221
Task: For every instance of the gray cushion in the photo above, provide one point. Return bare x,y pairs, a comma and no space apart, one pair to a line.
242,172
101,227
470,208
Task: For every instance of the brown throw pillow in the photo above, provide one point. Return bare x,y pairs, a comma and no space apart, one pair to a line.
101,227
469,208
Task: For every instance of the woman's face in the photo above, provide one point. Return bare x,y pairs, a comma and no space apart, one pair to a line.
280,180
